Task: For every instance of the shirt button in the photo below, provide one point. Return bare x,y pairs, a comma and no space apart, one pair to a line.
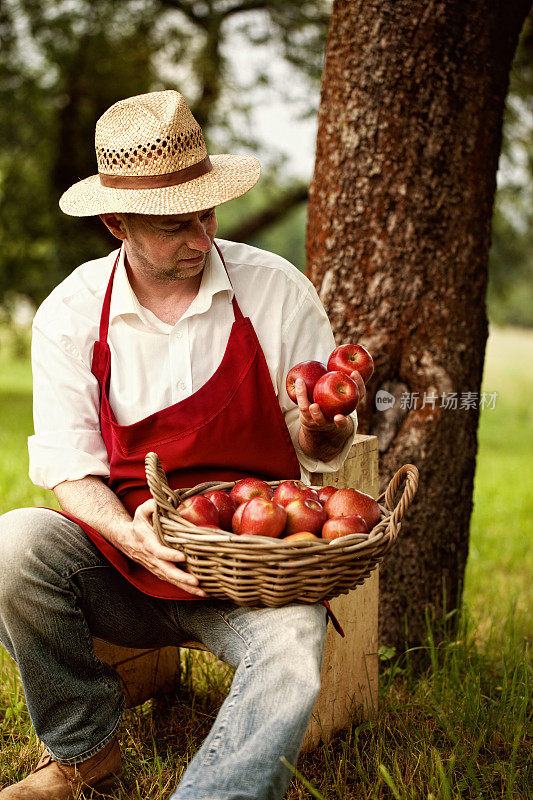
181,385
178,334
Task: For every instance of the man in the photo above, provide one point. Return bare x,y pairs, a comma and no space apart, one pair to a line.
179,344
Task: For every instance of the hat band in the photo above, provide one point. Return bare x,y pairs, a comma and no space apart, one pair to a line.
157,181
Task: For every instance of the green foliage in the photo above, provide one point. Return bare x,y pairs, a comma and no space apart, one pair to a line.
501,528
63,63
510,289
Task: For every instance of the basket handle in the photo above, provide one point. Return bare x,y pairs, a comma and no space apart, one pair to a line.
165,498
410,474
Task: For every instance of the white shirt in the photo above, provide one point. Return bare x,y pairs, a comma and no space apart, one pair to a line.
154,364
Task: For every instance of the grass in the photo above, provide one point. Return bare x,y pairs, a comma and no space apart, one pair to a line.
500,564
460,730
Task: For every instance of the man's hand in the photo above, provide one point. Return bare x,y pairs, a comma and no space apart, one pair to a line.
311,415
319,437
92,501
142,545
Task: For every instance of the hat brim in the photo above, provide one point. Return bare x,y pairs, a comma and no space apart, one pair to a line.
230,177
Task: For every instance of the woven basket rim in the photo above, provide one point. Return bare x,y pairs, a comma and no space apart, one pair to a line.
219,536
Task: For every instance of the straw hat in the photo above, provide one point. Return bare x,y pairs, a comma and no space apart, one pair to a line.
152,159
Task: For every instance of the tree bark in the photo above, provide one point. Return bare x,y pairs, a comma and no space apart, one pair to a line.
398,237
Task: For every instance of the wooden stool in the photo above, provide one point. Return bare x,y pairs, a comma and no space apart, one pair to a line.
350,668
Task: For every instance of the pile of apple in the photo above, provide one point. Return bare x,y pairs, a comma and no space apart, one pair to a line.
331,385
292,511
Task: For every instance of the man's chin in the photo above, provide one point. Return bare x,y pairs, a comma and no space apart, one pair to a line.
188,269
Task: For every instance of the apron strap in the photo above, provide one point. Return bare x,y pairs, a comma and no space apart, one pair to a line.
106,306
236,310
332,618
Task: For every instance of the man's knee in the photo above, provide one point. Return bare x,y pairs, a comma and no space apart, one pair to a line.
303,625
302,638
32,540
19,531
296,648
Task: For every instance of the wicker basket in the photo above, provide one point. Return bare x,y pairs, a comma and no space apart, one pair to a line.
263,571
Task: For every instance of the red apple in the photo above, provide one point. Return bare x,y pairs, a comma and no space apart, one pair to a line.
325,493
346,502
336,393
350,357
301,535
224,505
247,488
304,515
343,526
262,517
309,371
292,490
199,510
236,519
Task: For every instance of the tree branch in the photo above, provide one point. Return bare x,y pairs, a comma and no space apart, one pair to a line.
246,5
187,9
254,224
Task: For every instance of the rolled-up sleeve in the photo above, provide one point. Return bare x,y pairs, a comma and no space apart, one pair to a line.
308,337
67,443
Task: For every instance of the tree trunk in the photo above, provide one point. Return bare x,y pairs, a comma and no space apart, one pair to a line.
399,219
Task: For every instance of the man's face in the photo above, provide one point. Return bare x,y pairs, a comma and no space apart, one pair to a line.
168,248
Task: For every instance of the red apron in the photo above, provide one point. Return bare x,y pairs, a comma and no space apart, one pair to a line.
214,434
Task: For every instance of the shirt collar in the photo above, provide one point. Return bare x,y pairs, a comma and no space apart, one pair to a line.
214,280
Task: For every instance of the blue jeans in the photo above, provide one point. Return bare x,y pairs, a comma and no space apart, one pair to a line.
57,591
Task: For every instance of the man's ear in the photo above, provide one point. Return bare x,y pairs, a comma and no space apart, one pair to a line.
115,224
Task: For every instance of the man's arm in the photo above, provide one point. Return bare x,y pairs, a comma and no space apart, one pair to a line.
327,442
93,502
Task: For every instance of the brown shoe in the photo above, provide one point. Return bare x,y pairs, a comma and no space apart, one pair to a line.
52,781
